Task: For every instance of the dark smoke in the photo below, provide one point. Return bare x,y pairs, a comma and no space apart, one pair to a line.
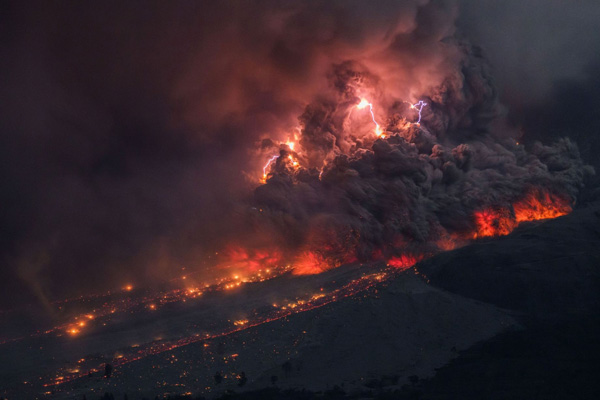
406,192
131,135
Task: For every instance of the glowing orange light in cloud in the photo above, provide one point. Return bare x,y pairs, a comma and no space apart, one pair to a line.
363,104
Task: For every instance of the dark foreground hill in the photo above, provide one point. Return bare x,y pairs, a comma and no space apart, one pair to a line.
513,317
548,275
543,270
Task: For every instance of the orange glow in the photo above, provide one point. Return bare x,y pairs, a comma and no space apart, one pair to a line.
250,261
310,263
292,158
536,205
448,243
494,222
540,205
363,104
128,288
404,261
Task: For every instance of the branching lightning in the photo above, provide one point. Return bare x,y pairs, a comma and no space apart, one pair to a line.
294,162
419,107
379,132
267,166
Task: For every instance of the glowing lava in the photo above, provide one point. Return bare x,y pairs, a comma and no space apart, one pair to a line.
404,261
310,263
536,205
541,205
494,222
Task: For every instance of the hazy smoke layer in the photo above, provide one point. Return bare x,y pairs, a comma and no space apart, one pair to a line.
131,135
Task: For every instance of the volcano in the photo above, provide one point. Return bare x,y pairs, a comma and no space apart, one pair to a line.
400,324
296,200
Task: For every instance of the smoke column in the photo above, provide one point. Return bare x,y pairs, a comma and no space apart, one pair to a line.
133,138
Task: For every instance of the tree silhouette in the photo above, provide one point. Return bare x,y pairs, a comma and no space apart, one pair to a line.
274,379
218,377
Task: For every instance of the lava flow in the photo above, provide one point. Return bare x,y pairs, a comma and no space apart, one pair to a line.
535,205
265,314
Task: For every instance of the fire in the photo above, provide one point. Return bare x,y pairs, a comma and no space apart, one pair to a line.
310,263
541,205
536,205
250,261
494,222
404,261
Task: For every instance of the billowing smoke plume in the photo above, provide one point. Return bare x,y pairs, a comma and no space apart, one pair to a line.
133,133
420,189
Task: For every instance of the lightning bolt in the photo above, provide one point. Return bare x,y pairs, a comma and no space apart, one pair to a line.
364,103
267,166
419,107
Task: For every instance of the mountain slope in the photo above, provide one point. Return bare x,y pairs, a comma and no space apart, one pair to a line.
545,270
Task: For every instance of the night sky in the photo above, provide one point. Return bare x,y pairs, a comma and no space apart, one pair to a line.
131,132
